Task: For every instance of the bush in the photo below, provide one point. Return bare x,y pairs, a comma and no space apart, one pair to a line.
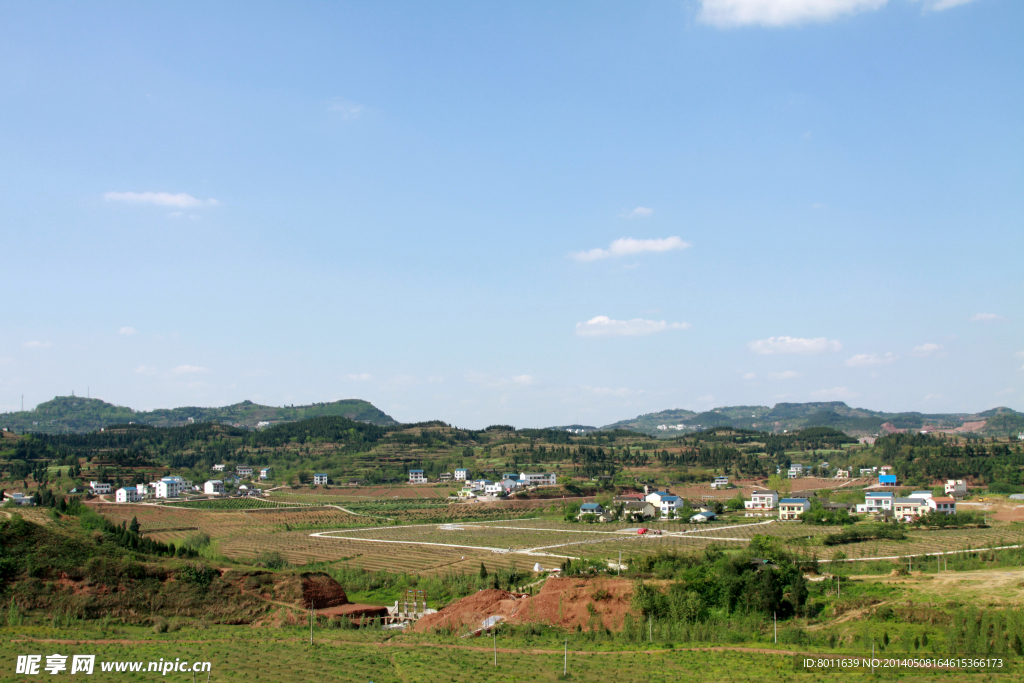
197,575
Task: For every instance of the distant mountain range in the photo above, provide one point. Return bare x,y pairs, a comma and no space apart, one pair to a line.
77,414
854,421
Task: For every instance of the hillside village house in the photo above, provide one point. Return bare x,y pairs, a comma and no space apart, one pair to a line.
842,474
467,492
671,504
218,468
796,470
791,508
416,477
99,487
127,495
887,480
637,509
169,487
461,474
762,500
243,470
909,509
945,505
720,483
508,486
876,503
19,498
867,471
445,476
480,485
538,479
590,509
494,488
656,496
214,487
703,516
265,473
320,479
628,498
956,488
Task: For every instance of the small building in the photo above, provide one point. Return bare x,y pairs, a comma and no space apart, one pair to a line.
956,488
638,509
628,498
921,494
671,504
100,488
262,423
832,507
877,503
656,496
943,505
909,509
480,485
214,487
127,495
243,470
494,488
320,479
701,517
218,468
720,483
509,486
842,474
265,473
445,476
19,498
867,471
887,480
796,470
791,508
461,474
762,500
169,487
590,509
538,478
416,477
467,492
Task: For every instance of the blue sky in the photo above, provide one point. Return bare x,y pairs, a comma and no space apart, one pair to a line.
525,213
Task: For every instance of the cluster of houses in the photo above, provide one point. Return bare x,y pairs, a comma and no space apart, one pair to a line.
170,487
647,505
509,483
245,471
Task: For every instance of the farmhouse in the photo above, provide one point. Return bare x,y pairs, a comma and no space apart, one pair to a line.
265,473
909,509
445,476
416,477
956,488
656,497
887,480
762,500
214,487
537,479
243,470
792,508
669,504
320,479
720,483
638,509
99,488
702,517
461,474
590,509
628,498
169,487
494,488
876,503
867,471
796,470
945,505
842,474
127,495
19,498
218,468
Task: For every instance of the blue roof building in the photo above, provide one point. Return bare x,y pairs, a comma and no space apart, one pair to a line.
887,479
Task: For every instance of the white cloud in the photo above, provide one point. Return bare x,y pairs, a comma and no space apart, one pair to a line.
523,380
865,360
932,397
939,5
835,393
127,330
37,344
1006,392
1019,354
749,375
362,377
348,110
986,318
730,13
485,379
145,370
638,212
925,350
775,345
788,374
706,399
180,200
188,370
627,246
603,326
608,391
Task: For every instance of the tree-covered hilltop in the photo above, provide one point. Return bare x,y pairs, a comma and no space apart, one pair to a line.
835,414
76,414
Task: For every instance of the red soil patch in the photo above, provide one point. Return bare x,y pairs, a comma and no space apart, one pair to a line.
561,602
354,611
321,591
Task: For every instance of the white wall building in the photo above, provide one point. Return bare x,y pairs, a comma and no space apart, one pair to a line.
957,488
417,477
762,500
494,488
214,487
169,487
876,502
461,474
320,479
537,479
671,504
656,497
127,495
265,473
99,487
218,468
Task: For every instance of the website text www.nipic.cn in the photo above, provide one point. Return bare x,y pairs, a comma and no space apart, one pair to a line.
86,664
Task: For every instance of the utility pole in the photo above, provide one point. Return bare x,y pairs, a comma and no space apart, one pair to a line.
650,631
312,616
565,661
618,571
495,634
775,618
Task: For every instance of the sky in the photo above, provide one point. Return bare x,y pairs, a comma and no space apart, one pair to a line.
525,213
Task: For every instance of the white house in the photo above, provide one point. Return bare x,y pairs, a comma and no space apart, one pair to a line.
537,479
214,487
943,504
19,498
925,495
796,471
590,509
320,479
720,483
909,509
127,495
416,477
842,474
656,496
957,488
762,500
265,473
791,508
145,491
671,504
876,502
169,487
243,470
494,488
480,485
461,474
263,423
702,517
99,487
467,492
218,468
509,485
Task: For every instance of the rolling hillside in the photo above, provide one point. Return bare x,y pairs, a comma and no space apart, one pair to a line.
77,414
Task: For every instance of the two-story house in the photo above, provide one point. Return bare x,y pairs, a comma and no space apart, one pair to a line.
876,503
791,508
417,477
762,500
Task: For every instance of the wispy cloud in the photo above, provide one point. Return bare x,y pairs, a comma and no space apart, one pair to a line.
127,331
731,13
778,345
608,391
627,246
638,212
1006,392
37,344
986,318
180,200
926,350
866,360
188,370
749,375
603,326
485,379
145,370
361,377
939,5
786,374
347,110
524,380
835,393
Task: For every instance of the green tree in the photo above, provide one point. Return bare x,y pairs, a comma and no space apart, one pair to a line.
483,571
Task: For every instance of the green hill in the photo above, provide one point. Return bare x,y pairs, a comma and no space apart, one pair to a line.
76,414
